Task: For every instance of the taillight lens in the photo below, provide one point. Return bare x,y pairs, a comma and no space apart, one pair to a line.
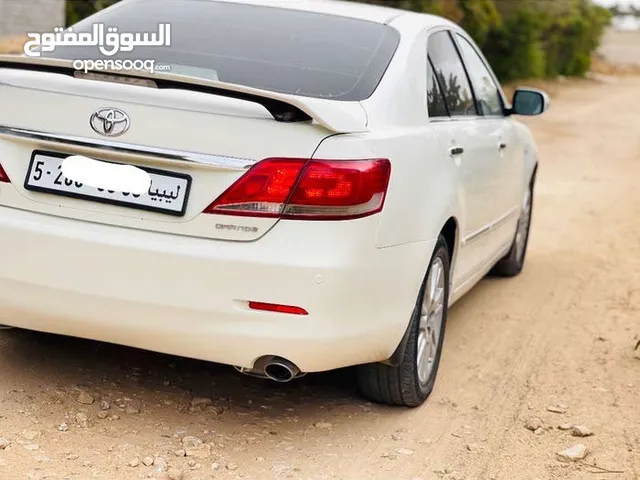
308,189
3,175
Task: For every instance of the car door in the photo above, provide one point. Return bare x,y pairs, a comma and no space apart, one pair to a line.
471,147
499,130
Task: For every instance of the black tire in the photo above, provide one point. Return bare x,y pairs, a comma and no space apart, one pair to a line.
401,385
512,264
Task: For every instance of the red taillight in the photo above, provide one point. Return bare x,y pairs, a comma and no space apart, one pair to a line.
308,189
3,175
272,307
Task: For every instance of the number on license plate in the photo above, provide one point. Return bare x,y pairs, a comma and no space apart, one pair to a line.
168,192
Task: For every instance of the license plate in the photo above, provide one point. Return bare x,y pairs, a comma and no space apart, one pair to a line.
168,192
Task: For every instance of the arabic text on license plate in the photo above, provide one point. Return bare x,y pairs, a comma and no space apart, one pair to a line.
168,192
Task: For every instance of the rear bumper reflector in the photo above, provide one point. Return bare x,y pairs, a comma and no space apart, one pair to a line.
273,307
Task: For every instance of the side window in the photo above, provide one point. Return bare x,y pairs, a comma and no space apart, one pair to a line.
484,87
451,75
437,107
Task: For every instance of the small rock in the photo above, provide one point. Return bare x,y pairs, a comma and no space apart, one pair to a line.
581,431
85,399
180,453
396,436
32,446
199,404
202,452
231,466
104,405
131,410
87,463
102,414
134,463
175,474
195,447
82,419
472,447
147,461
565,426
191,442
539,431
159,465
533,424
73,456
573,454
63,427
404,451
4,443
323,425
559,408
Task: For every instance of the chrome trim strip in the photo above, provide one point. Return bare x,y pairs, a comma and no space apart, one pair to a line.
120,147
477,234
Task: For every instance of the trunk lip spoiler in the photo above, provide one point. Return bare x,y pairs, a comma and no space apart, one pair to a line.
335,116
219,161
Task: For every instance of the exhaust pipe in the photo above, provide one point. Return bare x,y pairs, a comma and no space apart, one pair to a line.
274,368
281,370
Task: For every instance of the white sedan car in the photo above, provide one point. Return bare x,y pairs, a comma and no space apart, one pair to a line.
298,187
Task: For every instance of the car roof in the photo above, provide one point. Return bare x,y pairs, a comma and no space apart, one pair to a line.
362,11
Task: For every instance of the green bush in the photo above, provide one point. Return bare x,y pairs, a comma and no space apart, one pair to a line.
77,10
515,49
526,39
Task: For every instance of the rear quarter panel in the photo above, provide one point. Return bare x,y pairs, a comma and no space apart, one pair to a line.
423,192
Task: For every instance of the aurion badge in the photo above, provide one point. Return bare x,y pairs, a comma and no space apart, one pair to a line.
110,122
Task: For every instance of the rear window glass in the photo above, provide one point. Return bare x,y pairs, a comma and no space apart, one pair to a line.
278,49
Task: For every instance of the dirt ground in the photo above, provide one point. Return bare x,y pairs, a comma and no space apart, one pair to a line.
621,47
561,334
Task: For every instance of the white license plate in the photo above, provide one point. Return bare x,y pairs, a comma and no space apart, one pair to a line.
168,192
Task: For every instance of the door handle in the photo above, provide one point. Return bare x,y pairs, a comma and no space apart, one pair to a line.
502,146
455,151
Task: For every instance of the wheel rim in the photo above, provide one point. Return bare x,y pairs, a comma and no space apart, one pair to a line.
431,316
523,227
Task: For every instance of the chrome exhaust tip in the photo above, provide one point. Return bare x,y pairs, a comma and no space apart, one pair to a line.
273,368
281,371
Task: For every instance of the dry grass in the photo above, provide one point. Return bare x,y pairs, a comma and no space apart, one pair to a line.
12,45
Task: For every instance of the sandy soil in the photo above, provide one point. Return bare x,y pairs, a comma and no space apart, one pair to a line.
561,333
622,47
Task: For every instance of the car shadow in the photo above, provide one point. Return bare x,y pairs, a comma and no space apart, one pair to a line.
107,369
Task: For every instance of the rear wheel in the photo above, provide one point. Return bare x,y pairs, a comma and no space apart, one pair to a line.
512,264
410,383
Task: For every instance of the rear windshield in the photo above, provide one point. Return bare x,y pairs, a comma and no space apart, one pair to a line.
277,49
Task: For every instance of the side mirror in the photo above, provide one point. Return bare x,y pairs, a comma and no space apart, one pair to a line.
529,102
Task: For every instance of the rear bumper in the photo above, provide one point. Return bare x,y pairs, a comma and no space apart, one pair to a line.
188,296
